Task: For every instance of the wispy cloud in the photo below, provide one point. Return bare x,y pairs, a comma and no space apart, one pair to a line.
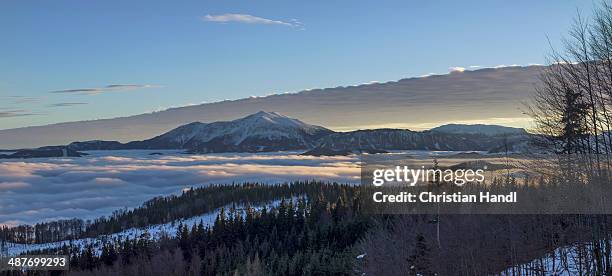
65,104
27,100
14,113
127,86
22,99
108,88
250,19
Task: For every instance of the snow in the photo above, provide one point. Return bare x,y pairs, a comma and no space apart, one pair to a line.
184,133
268,125
562,261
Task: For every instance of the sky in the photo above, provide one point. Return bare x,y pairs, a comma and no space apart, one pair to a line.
82,60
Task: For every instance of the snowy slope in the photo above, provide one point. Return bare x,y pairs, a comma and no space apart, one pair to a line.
568,260
152,232
265,125
181,135
259,132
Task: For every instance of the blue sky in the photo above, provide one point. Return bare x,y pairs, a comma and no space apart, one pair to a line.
141,56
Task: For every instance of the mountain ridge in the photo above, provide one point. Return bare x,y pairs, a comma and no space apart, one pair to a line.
491,130
382,140
271,131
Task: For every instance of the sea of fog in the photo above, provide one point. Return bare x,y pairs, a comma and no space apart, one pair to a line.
41,189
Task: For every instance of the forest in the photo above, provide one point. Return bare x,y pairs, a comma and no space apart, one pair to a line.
321,228
191,202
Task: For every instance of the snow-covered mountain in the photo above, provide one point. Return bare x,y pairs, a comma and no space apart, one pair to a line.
263,131
174,139
490,130
259,132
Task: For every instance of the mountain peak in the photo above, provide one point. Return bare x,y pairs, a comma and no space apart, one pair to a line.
263,113
266,115
261,131
265,118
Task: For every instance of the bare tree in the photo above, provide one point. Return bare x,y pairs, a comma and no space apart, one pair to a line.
571,109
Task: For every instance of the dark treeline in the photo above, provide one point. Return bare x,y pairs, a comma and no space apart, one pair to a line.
190,203
43,232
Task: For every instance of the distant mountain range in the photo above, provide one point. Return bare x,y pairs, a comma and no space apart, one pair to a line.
382,140
43,153
489,130
271,131
479,95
